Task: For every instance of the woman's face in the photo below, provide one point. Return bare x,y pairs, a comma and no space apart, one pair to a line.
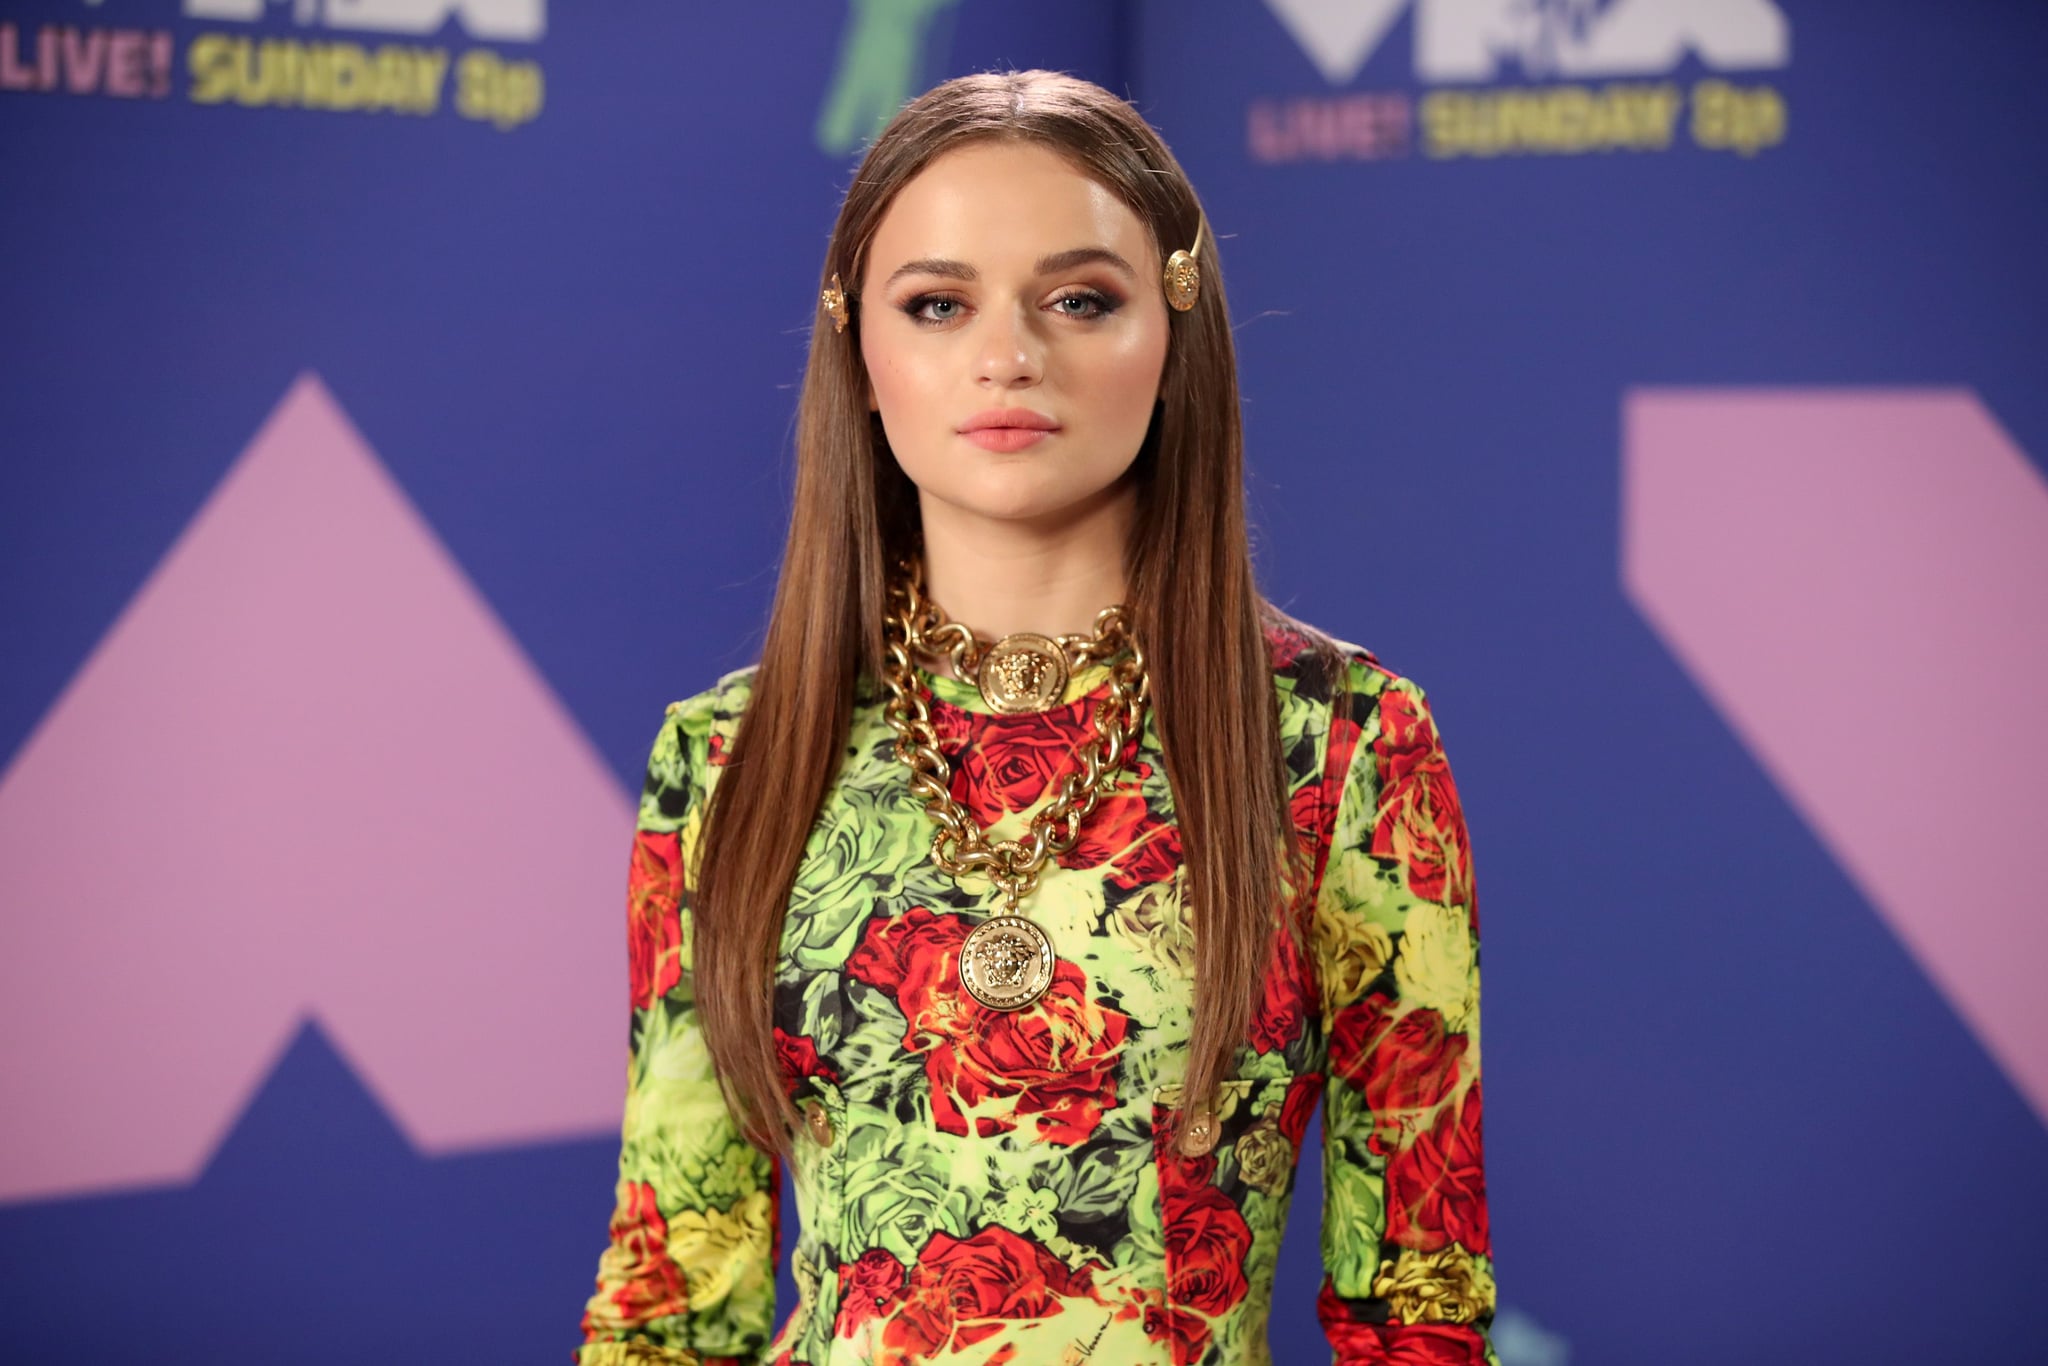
1004,286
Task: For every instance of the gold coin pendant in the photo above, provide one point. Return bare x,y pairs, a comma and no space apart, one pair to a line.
1022,672
1007,962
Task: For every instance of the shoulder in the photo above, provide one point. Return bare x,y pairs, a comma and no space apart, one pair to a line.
712,713
695,733
1339,701
1314,668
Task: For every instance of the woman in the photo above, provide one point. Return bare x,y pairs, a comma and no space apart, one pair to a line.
1043,1081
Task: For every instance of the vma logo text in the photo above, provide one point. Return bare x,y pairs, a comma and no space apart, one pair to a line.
409,58
1467,43
503,21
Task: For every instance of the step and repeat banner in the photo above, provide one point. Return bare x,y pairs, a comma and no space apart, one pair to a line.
396,414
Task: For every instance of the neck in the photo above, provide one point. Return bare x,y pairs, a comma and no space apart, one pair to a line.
1000,577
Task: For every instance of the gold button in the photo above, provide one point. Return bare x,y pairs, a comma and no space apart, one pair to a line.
1199,1137
819,1123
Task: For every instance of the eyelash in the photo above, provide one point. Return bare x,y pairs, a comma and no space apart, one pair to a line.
1104,306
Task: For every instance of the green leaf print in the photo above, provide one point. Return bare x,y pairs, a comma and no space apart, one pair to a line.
896,1194
851,860
1108,1181
1352,1199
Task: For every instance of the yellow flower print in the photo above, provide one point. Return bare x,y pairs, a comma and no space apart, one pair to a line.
636,1354
717,1247
1434,967
1445,1286
1265,1158
687,836
1350,951
1153,925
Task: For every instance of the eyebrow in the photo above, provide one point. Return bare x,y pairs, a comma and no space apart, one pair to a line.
1047,265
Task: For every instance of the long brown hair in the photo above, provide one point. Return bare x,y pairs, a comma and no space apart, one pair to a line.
1191,593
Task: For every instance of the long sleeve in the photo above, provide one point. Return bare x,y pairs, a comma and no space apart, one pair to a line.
1407,1258
689,1274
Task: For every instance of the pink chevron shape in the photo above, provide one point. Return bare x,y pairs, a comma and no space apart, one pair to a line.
1858,581
307,772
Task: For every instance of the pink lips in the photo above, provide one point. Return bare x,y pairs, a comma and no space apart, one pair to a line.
1007,429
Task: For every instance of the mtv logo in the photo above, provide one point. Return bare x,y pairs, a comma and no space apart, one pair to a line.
515,21
1466,40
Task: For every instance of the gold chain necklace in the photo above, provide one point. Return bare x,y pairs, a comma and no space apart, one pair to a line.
1007,961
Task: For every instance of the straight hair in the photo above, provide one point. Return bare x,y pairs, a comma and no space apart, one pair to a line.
1192,599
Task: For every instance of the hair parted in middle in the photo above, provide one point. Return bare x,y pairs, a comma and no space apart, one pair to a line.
1193,600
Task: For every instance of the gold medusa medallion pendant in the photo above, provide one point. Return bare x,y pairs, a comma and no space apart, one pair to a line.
1007,962
1022,672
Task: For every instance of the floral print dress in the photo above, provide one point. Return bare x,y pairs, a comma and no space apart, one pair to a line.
981,1186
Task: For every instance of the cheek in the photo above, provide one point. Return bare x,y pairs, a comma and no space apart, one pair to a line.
1120,383
881,373
902,384
903,398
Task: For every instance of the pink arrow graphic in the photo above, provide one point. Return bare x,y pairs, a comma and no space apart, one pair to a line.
1858,581
307,772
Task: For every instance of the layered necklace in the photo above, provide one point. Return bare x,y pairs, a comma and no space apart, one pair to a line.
1007,961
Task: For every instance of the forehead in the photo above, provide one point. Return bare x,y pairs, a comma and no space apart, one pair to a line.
997,204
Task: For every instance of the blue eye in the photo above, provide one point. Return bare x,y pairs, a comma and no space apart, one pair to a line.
1093,305
916,308
1100,304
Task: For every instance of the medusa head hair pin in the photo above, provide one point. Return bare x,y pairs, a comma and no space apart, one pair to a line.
834,300
1184,273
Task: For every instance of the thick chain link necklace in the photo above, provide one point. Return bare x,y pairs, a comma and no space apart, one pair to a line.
1007,961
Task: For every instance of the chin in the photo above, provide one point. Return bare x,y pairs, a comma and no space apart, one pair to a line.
1021,502
1021,511
1020,492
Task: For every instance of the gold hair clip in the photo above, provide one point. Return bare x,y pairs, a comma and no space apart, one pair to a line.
1184,273
834,300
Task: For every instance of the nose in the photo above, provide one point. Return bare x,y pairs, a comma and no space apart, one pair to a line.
1011,353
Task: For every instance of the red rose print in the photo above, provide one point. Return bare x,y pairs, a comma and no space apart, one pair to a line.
1207,1239
1008,764
1053,1064
1421,822
1436,1189
715,751
1314,804
654,927
1405,1065
646,1284
1305,812
950,722
1285,999
1154,857
868,1290
1123,831
1011,763
1284,644
1413,1069
1299,1108
797,1054
915,957
1395,1344
1343,741
961,1291
1185,1333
